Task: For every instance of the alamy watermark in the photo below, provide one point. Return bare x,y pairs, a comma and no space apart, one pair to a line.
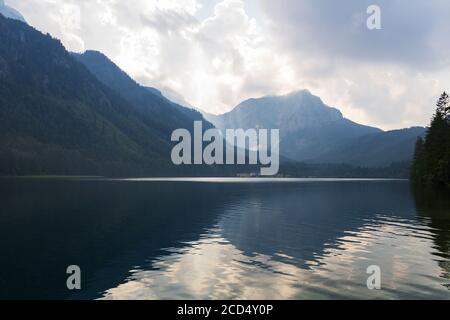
374,280
238,146
374,19
73,282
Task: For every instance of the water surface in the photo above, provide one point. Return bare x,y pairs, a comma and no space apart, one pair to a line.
222,239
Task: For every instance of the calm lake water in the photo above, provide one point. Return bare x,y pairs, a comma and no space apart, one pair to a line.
222,239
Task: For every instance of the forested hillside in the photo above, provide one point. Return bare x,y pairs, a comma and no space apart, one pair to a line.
58,118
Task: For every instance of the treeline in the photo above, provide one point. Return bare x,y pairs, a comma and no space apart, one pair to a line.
398,170
431,164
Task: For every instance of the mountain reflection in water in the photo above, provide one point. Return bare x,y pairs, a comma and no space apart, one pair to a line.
221,239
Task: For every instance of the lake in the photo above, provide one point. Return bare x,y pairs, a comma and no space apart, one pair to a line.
222,239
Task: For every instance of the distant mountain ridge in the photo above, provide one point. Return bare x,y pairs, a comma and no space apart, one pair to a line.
152,105
10,13
375,150
176,97
313,132
308,127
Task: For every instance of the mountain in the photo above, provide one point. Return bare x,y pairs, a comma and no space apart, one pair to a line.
308,127
312,132
9,12
79,114
56,117
151,104
176,97
376,150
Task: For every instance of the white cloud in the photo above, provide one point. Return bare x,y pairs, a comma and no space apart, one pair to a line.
217,59
389,78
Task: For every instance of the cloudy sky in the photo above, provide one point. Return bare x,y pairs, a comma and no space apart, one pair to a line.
216,53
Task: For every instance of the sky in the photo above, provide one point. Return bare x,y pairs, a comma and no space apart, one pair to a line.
217,53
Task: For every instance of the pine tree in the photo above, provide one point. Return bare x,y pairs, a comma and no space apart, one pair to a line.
443,106
431,164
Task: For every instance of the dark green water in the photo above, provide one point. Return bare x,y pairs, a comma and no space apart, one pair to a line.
207,239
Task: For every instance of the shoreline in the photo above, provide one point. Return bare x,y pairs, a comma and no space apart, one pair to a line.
199,179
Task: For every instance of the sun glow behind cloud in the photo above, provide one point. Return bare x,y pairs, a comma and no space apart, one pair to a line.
218,53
